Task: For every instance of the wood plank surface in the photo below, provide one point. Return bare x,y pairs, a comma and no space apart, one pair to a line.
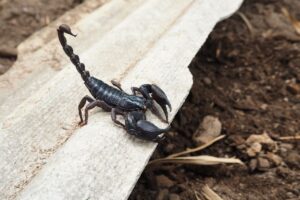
40,57
44,155
37,127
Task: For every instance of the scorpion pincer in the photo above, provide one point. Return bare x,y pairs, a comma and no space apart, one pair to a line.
113,99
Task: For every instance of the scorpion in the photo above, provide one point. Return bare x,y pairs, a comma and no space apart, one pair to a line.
114,99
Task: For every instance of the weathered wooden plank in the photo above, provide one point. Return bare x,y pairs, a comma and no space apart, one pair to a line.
101,161
40,57
44,121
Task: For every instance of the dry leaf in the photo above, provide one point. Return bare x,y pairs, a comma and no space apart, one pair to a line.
198,160
210,194
197,195
293,20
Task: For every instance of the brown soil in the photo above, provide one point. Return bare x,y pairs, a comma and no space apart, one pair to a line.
20,18
250,80
246,75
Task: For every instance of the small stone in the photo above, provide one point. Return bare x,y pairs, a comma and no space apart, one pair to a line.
209,129
264,139
286,146
264,106
174,197
282,171
254,149
164,181
169,148
237,140
293,88
293,159
241,147
277,160
253,164
207,81
162,194
263,164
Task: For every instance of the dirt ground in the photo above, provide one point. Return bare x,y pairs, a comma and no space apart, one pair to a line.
247,75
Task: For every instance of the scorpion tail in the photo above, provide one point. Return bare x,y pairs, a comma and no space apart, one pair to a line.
69,50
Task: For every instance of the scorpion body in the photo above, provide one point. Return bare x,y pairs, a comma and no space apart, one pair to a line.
131,106
114,97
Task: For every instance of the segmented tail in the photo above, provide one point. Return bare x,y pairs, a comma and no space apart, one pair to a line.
69,50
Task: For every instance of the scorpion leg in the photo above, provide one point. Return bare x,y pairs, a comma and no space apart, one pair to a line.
82,104
114,113
157,94
116,84
92,105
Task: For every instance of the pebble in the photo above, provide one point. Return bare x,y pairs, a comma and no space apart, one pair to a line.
174,197
293,88
170,147
209,129
237,140
254,149
162,194
264,139
293,159
275,159
164,181
286,147
207,81
263,164
253,164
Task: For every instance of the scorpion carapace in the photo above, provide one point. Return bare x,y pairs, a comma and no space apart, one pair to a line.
113,99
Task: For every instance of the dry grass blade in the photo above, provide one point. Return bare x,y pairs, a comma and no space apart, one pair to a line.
197,195
296,137
210,194
197,148
247,22
198,160
293,20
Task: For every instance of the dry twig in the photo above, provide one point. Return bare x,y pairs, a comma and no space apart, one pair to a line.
197,148
295,23
296,137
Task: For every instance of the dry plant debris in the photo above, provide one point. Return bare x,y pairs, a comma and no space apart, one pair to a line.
197,160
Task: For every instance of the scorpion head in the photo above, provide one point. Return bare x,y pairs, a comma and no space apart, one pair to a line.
132,102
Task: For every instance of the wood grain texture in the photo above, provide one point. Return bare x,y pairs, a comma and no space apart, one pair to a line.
37,127
101,161
40,57
44,155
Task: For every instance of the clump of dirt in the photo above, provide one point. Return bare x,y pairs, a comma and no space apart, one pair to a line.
20,18
248,76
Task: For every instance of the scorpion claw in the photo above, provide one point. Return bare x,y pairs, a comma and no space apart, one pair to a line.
158,95
136,124
150,131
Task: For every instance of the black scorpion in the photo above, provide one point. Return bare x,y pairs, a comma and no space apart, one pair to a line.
115,100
